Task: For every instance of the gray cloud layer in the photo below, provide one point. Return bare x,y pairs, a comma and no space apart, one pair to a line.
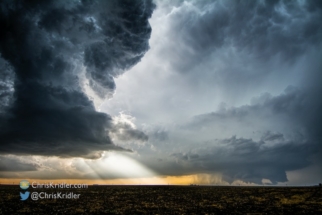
12,165
273,153
238,56
274,135
46,50
260,28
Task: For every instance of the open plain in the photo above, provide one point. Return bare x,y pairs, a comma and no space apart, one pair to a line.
167,200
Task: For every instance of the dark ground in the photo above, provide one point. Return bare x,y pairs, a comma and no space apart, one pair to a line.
168,200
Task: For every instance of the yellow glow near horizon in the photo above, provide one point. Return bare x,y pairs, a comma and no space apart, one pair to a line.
112,169
157,180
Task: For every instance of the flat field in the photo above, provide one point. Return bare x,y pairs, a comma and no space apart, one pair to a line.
167,200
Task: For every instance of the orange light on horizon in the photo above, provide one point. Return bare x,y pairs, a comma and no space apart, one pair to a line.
166,180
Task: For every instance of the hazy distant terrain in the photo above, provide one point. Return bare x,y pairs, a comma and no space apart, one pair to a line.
169,200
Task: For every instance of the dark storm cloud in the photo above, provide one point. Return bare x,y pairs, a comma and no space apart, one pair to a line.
260,28
6,84
296,108
11,165
251,161
185,156
43,48
261,140
160,135
274,153
270,136
125,132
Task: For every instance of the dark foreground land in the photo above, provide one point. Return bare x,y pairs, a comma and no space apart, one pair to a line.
168,200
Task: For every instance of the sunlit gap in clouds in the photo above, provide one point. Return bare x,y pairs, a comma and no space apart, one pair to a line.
112,168
122,168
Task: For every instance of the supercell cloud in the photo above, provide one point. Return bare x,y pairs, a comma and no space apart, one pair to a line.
54,56
228,88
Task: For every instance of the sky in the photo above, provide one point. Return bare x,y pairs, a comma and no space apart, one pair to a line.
161,92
